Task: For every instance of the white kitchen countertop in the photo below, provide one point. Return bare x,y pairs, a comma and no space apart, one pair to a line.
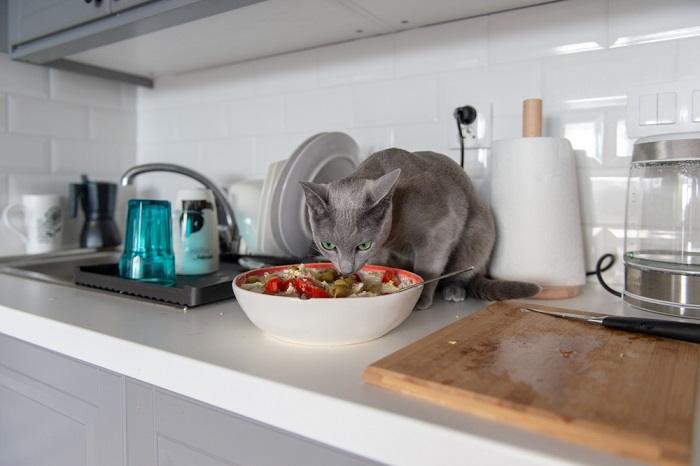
215,355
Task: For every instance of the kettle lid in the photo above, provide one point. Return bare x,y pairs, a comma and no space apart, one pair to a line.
666,147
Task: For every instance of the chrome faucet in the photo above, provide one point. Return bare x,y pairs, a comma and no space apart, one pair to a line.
229,236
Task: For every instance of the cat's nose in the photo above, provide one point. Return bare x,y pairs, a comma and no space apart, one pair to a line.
346,267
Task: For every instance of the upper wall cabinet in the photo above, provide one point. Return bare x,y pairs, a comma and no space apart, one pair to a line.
137,40
36,18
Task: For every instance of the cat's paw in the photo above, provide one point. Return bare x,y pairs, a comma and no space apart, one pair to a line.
424,302
454,293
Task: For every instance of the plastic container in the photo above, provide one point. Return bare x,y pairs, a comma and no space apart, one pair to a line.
148,247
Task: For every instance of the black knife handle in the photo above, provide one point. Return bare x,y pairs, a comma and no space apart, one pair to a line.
660,328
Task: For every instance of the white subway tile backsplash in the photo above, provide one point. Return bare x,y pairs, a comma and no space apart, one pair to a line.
112,125
291,72
169,91
162,125
421,137
606,74
228,159
409,100
181,153
24,154
272,148
585,129
319,110
351,62
643,21
44,117
22,78
203,121
451,46
599,240
371,139
259,115
82,89
553,29
602,196
222,83
504,86
91,158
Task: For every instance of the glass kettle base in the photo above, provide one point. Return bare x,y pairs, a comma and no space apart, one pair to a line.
662,291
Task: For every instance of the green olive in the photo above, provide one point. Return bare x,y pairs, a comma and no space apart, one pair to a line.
340,291
326,275
253,279
343,282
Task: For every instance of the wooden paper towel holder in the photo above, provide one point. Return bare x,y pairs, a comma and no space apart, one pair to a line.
532,128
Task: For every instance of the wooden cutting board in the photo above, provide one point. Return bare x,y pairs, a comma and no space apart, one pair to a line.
624,393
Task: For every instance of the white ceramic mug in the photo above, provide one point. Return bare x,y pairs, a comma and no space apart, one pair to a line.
42,227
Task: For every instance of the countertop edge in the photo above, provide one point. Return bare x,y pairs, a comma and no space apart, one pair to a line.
336,422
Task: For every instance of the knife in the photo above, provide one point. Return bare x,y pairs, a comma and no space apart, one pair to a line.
660,328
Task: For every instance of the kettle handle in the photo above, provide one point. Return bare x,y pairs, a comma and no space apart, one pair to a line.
75,191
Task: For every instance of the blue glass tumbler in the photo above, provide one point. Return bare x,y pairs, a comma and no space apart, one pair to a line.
148,247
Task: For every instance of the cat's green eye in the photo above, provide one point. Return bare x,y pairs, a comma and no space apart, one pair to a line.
364,246
327,245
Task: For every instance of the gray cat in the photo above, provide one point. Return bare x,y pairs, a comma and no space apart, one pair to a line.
417,211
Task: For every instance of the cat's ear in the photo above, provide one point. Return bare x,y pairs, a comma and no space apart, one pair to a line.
383,188
316,196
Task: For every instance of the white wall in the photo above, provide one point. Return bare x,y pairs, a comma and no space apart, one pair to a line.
55,125
400,90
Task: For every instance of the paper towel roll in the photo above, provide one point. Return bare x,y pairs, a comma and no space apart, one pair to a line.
534,197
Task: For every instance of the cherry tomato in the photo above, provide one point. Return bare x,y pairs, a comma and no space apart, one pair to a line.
275,285
390,276
308,288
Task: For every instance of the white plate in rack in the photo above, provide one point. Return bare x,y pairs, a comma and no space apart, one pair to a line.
322,158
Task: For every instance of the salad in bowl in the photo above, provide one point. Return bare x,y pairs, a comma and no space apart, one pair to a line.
315,305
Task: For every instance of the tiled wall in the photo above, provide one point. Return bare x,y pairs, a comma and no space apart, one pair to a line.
54,126
580,56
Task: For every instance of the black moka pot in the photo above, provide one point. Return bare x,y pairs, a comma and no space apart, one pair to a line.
97,200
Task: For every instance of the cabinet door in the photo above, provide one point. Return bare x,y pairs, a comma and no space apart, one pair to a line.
165,429
119,5
56,411
30,19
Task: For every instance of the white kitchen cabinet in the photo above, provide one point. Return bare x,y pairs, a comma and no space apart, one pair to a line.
35,18
57,411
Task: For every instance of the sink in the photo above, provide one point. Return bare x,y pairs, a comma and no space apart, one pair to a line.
56,267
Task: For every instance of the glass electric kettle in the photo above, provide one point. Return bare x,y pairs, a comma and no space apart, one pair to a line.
662,226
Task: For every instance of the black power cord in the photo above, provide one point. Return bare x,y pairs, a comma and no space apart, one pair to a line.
464,116
600,268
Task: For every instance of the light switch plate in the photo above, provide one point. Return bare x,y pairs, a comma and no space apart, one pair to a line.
667,105
478,134
677,108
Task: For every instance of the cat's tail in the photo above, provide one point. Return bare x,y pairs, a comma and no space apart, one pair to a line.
488,289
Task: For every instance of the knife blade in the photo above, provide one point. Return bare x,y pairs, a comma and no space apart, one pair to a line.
685,331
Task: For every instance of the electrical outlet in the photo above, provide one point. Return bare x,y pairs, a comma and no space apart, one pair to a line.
476,135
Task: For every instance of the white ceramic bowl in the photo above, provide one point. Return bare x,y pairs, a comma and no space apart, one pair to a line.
327,321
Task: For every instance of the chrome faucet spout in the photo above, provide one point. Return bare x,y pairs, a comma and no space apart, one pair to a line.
228,232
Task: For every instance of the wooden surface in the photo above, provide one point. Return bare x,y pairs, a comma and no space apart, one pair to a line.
624,393
558,292
532,118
